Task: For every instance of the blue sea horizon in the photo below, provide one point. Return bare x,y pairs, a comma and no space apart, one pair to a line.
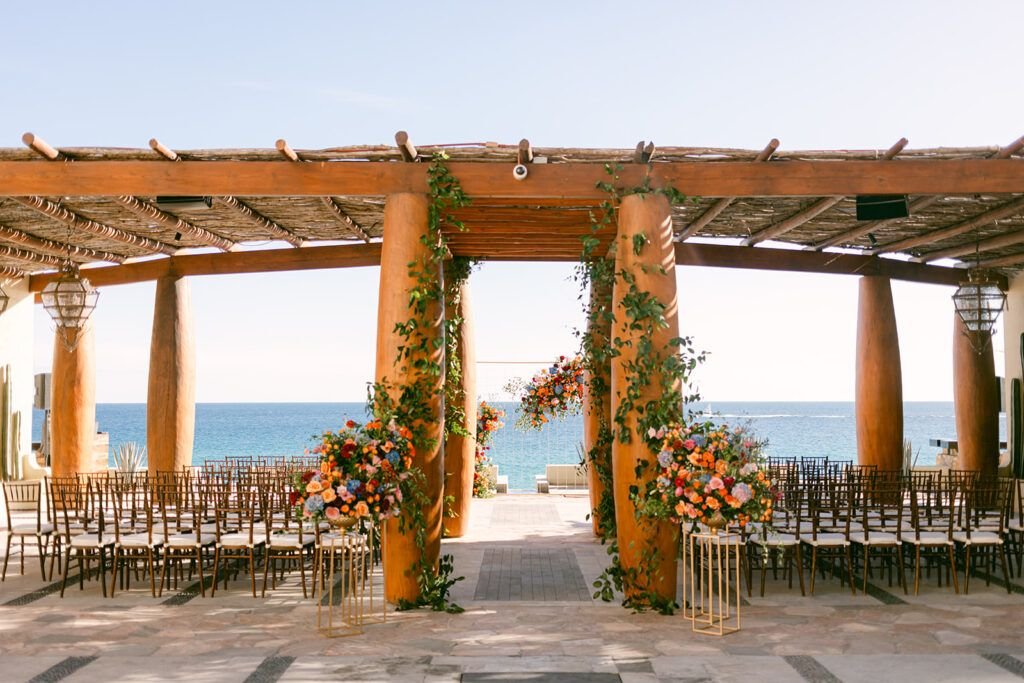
793,428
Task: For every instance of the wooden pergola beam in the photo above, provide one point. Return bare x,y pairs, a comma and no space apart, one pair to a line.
336,210
482,180
809,213
1003,261
139,207
919,204
12,273
260,261
1000,212
40,244
797,260
59,213
722,204
239,207
357,255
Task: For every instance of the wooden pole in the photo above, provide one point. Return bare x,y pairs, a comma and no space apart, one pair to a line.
73,406
643,544
879,387
405,226
976,404
459,450
171,407
597,404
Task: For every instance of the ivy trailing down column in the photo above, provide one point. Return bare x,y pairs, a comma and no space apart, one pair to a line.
651,369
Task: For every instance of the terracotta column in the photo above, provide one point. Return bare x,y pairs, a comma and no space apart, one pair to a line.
976,403
73,406
171,405
405,224
460,451
654,270
597,404
879,378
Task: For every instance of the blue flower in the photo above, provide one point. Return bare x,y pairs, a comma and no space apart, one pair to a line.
699,439
393,457
558,389
353,485
315,503
665,458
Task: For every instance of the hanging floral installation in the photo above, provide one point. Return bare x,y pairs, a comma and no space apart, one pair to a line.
361,471
709,473
554,393
488,422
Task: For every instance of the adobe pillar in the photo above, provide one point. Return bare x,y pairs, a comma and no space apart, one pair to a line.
73,406
976,403
879,387
170,404
405,227
597,404
654,272
460,450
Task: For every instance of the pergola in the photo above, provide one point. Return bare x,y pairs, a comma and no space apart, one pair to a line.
113,211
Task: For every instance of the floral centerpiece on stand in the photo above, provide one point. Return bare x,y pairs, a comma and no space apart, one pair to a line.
361,470
554,392
488,421
710,474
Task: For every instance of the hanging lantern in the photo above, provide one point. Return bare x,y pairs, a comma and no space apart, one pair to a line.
70,300
5,299
978,302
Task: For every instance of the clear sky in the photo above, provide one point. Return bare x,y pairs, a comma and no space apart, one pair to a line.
596,74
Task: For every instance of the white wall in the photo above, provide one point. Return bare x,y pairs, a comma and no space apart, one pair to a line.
1013,327
16,347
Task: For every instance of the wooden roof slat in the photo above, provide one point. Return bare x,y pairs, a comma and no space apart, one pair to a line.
723,203
137,206
1002,261
148,211
56,248
809,213
30,256
336,209
405,147
1004,211
996,242
58,212
919,204
11,272
239,207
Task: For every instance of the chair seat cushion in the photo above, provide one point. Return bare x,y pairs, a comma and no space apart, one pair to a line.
290,541
978,538
92,541
876,538
240,540
773,540
928,538
141,541
189,540
30,529
827,540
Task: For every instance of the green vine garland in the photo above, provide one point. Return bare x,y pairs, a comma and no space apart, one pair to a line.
417,352
644,315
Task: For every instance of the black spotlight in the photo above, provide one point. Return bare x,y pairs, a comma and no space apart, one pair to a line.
882,207
186,203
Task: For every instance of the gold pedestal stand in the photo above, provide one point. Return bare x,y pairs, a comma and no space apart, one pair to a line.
707,559
350,593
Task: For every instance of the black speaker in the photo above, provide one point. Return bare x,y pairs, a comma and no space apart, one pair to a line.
882,206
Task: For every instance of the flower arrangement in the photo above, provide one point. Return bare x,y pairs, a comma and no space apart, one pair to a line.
361,470
705,470
488,421
554,392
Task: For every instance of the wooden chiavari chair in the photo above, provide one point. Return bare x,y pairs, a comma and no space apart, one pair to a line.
26,497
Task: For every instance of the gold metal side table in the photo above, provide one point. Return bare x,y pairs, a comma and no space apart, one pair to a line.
713,609
355,598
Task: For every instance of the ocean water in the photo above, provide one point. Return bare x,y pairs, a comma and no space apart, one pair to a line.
792,429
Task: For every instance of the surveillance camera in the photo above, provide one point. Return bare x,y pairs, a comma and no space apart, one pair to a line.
519,172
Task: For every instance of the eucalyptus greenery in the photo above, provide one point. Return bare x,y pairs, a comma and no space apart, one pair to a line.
669,367
421,354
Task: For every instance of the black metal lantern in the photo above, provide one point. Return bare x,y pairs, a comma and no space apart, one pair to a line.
70,300
978,302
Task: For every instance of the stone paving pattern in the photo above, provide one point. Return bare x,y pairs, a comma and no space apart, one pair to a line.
832,636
